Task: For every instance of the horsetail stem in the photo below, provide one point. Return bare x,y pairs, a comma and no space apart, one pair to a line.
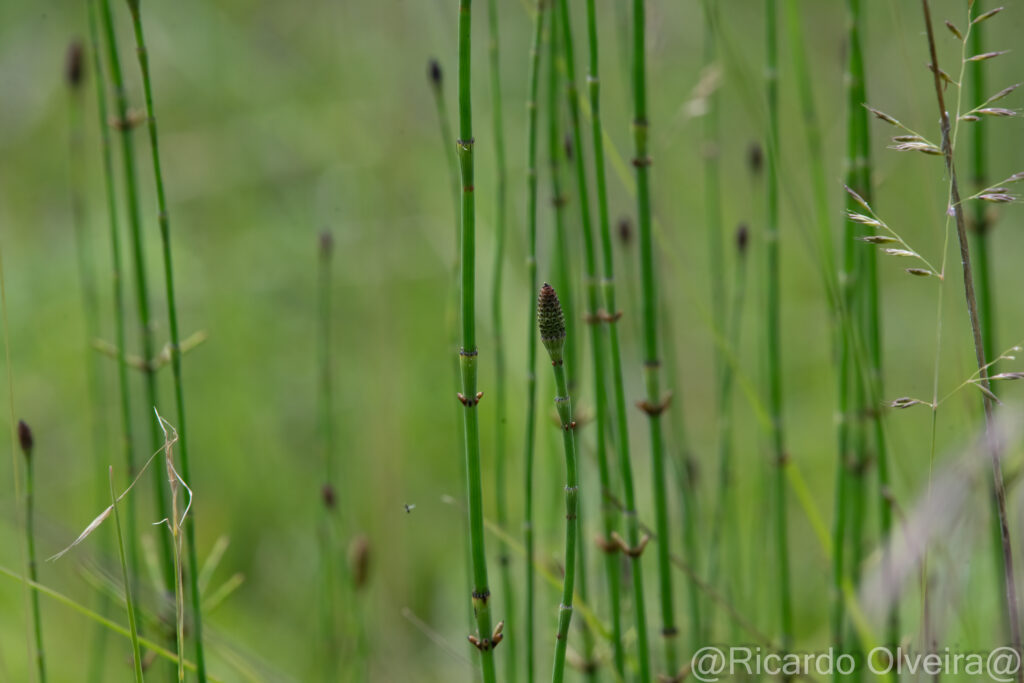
468,352
500,453
981,226
26,441
125,124
774,350
551,324
531,344
593,299
328,494
127,444
654,404
163,217
956,208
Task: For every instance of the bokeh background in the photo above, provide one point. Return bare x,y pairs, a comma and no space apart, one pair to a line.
281,120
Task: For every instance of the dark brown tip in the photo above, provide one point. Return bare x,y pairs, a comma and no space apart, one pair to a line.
755,158
742,238
327,493
73,64
625,231
434,72
359,560
25,438
326,242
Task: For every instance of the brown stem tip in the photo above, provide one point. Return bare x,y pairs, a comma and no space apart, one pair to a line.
434,72
73,64
742,238
25,438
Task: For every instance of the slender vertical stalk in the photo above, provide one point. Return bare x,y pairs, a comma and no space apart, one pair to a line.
654,404
175,346
326,400
128,599
124,124
992,438
75,73
774,349
551,324
501,211
127,444
531,342
594,318
468,352
981,225
26,442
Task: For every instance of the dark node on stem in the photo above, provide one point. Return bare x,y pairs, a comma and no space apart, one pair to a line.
468,354
568,147
359,560
326,243
670,632
434,73
742,238
607,317
25,438
641,163
559,201
625,231
627,549
74,64
551,322
327,493
755,158
783,460
655,409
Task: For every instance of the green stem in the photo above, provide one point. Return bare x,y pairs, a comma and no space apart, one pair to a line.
564,406
33,573
131,184
468,351
653,405
106,150
774,350
531,343
128,600
593,299
500,454
981,226
327,552
175,347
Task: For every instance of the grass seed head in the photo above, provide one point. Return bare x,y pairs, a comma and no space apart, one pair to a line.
25,438
954,30
551,322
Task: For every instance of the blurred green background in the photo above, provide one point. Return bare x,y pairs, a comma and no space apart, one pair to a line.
280,120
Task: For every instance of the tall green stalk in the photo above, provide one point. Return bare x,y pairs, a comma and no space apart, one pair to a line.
328,494
131,184
163,217
128,599
654,405
501,211
551,324
468,352
774,349
530,438
127,444
593,298
981,225
26,442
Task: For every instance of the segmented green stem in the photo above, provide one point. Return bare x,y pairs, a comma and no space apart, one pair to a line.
653,405
530,438
500,453
175,346
117,280
129,600
593,300
468,351
131,185
992,438
774,348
